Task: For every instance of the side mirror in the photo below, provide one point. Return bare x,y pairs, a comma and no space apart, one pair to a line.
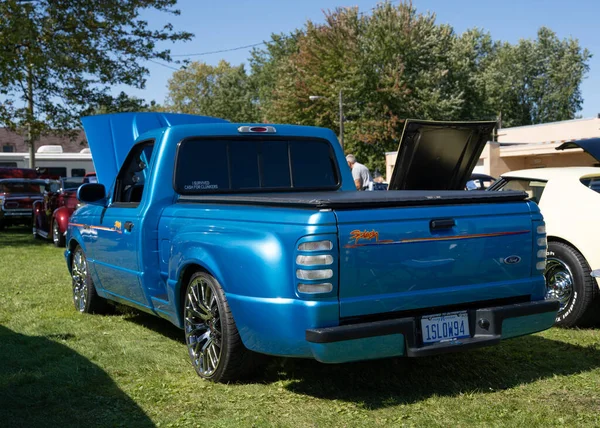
92,193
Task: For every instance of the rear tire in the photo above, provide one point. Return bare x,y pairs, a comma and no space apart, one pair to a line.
568,279
212,338
85,298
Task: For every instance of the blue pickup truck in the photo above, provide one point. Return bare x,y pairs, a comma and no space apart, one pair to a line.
254,240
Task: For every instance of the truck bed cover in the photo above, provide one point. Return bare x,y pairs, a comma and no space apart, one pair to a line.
353,200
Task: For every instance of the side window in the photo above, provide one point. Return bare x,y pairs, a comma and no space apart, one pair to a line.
533,188
591,182
77,172
129,186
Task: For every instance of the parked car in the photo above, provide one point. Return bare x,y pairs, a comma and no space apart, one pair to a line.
479,182
17,196
51,214
569,200
253,239
90,177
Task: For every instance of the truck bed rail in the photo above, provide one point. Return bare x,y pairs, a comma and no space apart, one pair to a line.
353,200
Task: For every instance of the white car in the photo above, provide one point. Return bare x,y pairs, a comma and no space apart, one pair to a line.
569,199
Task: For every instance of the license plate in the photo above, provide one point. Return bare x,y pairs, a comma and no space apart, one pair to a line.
442,327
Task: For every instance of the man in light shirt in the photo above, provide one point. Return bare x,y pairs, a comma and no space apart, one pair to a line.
360,174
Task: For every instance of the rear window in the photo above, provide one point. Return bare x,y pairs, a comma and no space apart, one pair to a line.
591,182
235,166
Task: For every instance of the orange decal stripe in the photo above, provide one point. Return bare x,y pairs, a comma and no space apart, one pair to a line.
107,229
439,238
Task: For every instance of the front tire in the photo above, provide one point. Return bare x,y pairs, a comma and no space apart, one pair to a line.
85,298
213,341
58,239
569,280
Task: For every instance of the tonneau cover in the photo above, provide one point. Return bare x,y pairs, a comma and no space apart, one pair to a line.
353,200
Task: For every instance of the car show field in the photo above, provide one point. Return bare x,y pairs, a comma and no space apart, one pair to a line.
63,368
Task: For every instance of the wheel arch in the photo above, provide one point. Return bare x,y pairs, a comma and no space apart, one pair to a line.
186,271
61,215
70,246
553,238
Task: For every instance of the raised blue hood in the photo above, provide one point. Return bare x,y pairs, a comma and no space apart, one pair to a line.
111,136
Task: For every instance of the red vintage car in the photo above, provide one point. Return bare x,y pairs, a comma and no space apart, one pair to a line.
51,214
17,196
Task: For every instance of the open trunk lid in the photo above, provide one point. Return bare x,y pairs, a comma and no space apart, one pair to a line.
438,155
589,145
411,258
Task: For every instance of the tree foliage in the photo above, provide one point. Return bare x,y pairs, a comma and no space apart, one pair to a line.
59,59
397,64
223,91
390,65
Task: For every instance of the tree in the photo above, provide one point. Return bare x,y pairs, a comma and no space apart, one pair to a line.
58,59
537,81
119,104
222,91
266,66
397,64
390,66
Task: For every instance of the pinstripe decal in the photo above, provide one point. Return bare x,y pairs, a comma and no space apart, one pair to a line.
439,238
107,229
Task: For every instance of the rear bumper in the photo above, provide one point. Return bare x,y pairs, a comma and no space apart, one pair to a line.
402,336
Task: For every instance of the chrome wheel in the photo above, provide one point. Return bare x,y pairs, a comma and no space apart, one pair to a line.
80,283
55,233
203,329
559,282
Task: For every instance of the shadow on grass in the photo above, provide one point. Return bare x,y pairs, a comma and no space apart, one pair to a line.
388,382
152,322
45,383
20,237
382,383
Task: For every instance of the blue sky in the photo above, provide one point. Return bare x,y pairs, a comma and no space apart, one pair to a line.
229,24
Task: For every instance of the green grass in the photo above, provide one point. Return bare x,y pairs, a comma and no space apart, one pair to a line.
60,368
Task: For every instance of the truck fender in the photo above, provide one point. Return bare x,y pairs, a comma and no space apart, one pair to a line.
74,240
180,265
61,215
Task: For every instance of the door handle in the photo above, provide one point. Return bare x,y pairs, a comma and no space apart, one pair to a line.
128,226
444,223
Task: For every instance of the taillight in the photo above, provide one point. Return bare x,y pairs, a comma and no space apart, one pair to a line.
316,270
541,246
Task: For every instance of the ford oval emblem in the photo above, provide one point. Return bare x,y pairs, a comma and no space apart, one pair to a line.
512,260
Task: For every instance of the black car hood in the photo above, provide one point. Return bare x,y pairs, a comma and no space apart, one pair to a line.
438,155
589,145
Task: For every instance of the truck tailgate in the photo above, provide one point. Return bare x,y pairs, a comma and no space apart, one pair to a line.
410,258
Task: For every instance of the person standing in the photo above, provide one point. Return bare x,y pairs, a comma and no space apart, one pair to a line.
360,174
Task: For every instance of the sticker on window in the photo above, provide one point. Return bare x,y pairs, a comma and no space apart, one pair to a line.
201,185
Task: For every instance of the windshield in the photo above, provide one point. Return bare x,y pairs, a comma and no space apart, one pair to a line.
21,187
233,166
533,188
